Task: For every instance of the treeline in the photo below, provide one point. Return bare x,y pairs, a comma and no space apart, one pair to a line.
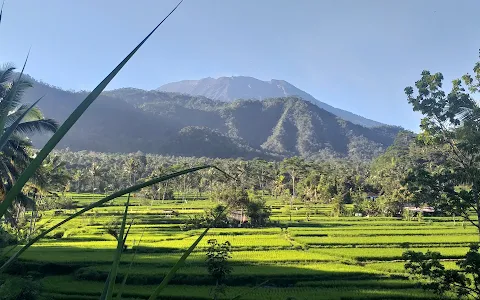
378,187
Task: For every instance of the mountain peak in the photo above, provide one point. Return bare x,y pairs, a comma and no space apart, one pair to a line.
244,87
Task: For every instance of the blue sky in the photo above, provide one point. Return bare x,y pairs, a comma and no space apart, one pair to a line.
355,55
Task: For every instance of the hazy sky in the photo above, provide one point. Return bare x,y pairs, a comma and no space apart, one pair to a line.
355,55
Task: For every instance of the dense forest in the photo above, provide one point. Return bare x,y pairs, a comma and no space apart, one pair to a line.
128,120
311,181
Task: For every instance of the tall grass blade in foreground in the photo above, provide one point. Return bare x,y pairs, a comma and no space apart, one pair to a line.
124,281
71,120
182,259
112,276
250,290
1,12
100,203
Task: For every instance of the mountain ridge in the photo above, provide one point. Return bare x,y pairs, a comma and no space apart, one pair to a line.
129,120
244,87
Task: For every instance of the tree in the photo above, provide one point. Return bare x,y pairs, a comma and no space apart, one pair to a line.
16,153
450,126
428,267
450,129
234,198
338,204
278,185
295,167
217,264
258,212
218,212
94,171
132,168
54,173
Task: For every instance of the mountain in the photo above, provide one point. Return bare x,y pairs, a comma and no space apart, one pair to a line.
243,87
128,120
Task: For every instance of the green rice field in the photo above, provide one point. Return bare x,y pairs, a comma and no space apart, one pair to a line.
323,258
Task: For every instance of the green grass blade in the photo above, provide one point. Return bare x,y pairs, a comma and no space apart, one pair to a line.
182,259
124,281
1,12
250,290
101,202
110,283
71,120
8,133
126,234
5,253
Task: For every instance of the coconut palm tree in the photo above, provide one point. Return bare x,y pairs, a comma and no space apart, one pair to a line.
95,171
17,121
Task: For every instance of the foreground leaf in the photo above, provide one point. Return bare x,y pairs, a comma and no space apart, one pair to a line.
182,259
124,281
100,203
112,276
71,120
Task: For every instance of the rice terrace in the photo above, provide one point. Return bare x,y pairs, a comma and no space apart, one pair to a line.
234,187
324,258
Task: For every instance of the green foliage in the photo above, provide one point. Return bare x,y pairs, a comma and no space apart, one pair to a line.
234,197
258,212
121,238
217,264
450,127
15,288
429,268
338,204
6,238
219,212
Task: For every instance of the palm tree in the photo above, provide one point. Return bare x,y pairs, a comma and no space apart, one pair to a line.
17,121
132,167
95,171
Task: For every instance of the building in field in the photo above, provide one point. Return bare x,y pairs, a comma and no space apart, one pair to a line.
423,210
239,216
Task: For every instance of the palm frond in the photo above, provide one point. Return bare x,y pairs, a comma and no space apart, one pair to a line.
13,97
12,126
38,126
35,114
6,74
9,100
32,113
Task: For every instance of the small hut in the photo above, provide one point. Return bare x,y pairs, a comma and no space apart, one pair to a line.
239,216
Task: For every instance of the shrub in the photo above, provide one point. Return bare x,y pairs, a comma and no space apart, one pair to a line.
58,235
6,238
17,288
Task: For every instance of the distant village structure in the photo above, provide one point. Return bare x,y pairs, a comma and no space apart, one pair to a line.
239,216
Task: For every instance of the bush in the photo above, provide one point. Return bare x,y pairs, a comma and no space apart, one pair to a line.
258,212
6,239
338,204
58,235
17,288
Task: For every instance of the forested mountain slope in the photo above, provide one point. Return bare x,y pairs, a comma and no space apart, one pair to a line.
129,120
244,87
